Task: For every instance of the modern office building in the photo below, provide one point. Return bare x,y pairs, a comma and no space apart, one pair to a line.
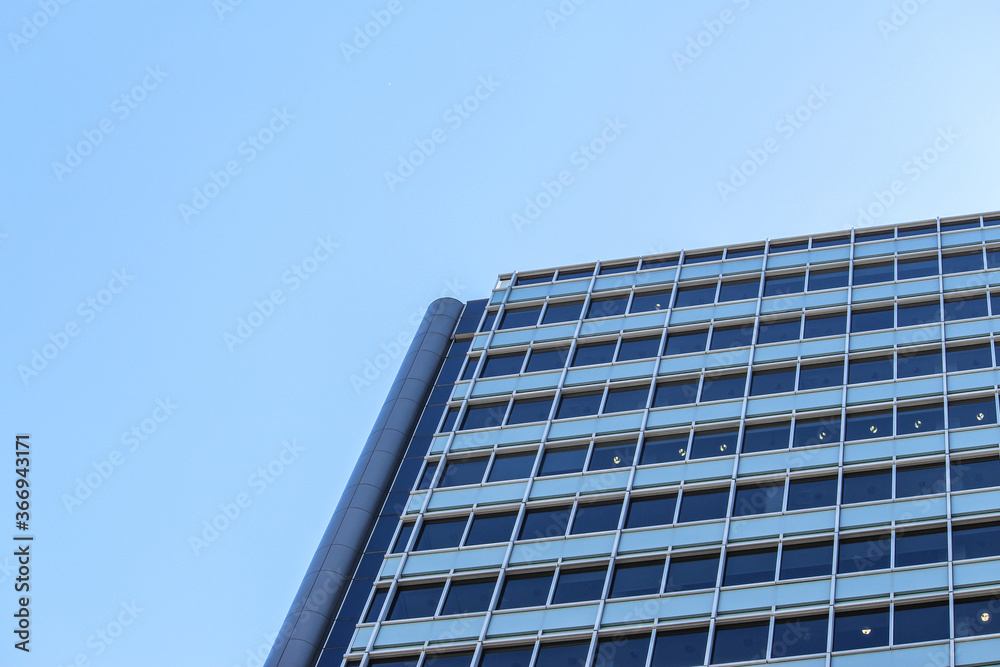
782,452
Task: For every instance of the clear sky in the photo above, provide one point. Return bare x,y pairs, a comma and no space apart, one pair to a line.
173,168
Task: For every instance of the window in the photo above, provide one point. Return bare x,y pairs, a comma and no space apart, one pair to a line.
778,285
441,534
520,317
863,487
606,307
490,528
612,455
968,358
512,466
483,416
570,274
562,312
624,399
964,308
713,443
467,597
860,629
692,573
738,290
650,511
451,660
917,231
976,540
491,317
817,376
579,405
867,425
704,505
917,268
622,651
818,326
534,280
918,363
579,585
680,648
735,643
724,338
392,662
873,236
620,268
703,257
547,359
766,437
402,538
776,332
789,246
427,477
639,348
631,579
547,522
975,474
922,480
962,262
918,314
527,410
663,450
866,274
972,413
871,320
799,636
415,601
862,554
758,499
722,387
806,560
596,518
812,492
376,606
919,419
685,343
919,547
694,296
563,654
976,616
829,279
644,302
449,420
461,472
753,251
562,461
675,393
525,590
869,369
772,381
921,623
660,262
506,657
595,353
470,368
750,567
820,431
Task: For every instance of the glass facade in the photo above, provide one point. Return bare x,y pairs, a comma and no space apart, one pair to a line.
783,452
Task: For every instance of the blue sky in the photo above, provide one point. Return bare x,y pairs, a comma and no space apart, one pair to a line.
172,169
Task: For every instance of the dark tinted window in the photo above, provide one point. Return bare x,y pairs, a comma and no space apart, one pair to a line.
819,280
547,522
684,648
415,602
921,623
636,579
620,268
870,320
965,308
507,657
921,313
818,326
512,466
918,363
721,387
873,236
867,425
483,416
466,597
703,257
775,285
534,280
713,443
561,461
525,590
686,343
449,419
562,312
570,274
595,518
917,231
734,643
766,437
692,573
820,431
490,528
621,651
599,353
663,450
523,317
919,419
579,585
869,369
563,655
976,616
758,499
529,410
961,262
788,247
427,477
612,455
772,381
578,405
734,253
861,554
659,262
547,359
776,332
977,540
917,268
738,290
394,662
724,338
703,505
972,413
806,560
865,274
920,547
470,369
607,307
638,348
920,480
441,534
448,660
694,296
975,473
469,471
750,567
644,302
625,399
376,606
402,538
799,636
812,492
862,487
675,393
860,629
650,511
817,376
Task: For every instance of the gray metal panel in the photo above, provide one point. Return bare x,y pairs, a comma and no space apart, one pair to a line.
322,590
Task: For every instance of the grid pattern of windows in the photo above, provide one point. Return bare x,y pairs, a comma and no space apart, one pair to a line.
774,451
